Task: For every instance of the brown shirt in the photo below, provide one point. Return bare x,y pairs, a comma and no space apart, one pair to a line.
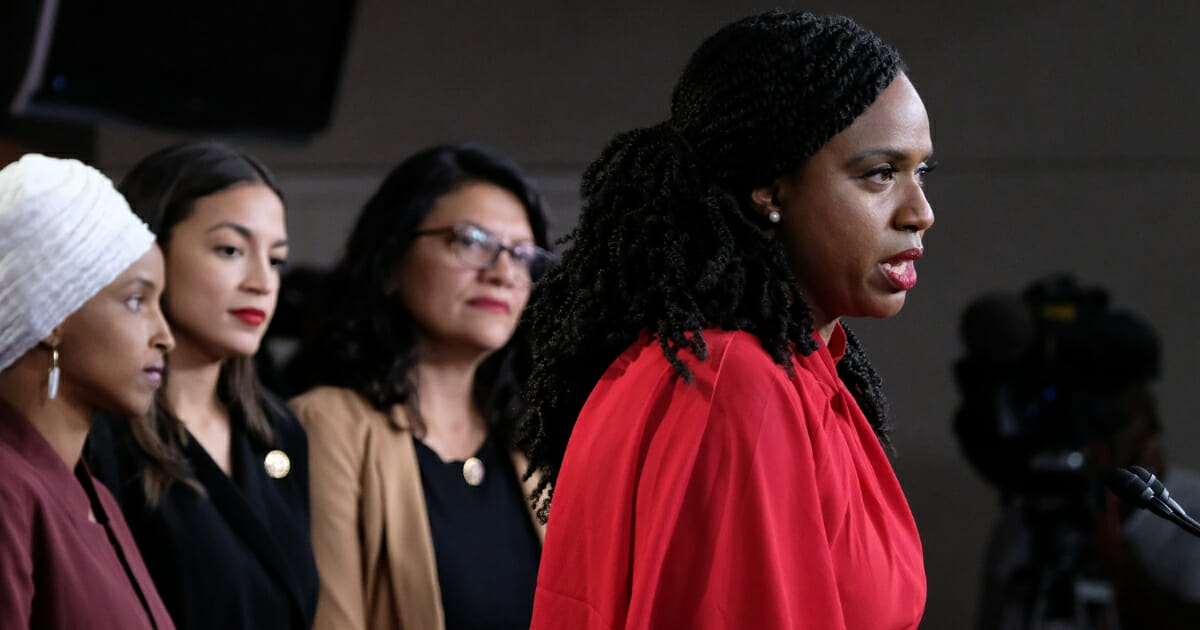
371,534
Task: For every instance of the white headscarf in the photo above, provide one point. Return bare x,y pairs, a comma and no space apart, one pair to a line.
65,234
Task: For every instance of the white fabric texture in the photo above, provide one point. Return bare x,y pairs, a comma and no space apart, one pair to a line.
65,234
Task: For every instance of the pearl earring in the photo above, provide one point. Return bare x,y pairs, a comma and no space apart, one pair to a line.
773,216
52,381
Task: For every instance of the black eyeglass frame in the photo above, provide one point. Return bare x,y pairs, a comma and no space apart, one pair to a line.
459,230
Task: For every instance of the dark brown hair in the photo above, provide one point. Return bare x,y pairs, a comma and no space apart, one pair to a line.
162,189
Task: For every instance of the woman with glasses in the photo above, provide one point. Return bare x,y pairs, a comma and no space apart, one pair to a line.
419,517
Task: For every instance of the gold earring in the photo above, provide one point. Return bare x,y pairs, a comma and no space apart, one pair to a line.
52,380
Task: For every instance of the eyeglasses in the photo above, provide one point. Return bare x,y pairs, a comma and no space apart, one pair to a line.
477,248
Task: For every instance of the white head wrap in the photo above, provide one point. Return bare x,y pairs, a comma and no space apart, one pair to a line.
65,234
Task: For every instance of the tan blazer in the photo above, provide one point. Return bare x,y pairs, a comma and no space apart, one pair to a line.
370,529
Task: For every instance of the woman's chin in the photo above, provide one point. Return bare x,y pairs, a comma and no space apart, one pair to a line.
127,407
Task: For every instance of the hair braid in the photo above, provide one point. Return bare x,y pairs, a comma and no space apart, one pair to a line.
667,243
864,383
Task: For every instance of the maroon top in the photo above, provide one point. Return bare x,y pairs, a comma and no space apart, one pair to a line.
58,569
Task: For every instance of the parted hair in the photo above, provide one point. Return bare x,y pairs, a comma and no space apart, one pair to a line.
365,338
668,241
163,189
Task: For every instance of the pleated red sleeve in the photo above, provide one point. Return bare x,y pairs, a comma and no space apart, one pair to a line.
746,499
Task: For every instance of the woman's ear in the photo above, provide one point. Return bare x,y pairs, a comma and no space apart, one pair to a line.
54,338
766,201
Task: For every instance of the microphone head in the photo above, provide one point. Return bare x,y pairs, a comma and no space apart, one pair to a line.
1133,485
1130,488
1156,486
1146,476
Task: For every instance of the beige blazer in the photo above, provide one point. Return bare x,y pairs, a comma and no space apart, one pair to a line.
370,529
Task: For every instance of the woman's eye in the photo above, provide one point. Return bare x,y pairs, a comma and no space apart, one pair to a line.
880,175
924,171
134,302
472,238
468,241
278,263
524,253
227,251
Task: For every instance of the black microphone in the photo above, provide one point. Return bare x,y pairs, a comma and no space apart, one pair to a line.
1161,493
1139,487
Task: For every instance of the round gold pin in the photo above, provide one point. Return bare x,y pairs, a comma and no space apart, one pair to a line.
277,464
473,471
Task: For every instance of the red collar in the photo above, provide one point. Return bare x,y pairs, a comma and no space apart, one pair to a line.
837,342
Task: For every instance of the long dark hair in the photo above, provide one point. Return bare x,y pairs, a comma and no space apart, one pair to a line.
365,340
668,241
162,189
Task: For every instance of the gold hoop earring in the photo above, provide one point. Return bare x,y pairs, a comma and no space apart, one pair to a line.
52,379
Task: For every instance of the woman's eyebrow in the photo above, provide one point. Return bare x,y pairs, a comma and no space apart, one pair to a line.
244,231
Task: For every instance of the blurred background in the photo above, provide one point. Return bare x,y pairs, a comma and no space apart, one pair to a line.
1066,131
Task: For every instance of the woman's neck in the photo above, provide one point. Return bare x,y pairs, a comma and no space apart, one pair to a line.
64,422
191,390
823,324
454,426
191,387
826,331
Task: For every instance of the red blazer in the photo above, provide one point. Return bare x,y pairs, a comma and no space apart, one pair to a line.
749,499
58,569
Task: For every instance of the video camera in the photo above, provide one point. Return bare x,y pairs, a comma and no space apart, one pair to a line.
1040,381
1045,383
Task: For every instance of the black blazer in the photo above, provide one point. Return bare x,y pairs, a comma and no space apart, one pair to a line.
238,558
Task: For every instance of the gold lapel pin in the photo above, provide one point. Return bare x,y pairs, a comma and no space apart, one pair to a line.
277,464
473,471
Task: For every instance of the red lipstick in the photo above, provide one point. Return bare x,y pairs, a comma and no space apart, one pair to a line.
901,269
490,304
250,316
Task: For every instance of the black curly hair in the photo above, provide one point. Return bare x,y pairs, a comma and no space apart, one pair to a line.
364,338
668,241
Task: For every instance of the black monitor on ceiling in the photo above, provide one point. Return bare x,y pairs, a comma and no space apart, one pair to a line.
218,66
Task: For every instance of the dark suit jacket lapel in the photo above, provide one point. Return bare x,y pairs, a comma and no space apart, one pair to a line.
245,517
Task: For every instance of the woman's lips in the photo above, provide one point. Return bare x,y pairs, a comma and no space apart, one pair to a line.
901,269
490,304
250,316
154,374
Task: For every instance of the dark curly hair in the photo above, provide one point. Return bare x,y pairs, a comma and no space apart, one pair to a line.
365,339
668,241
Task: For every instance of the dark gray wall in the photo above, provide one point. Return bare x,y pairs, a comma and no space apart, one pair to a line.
1067,135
